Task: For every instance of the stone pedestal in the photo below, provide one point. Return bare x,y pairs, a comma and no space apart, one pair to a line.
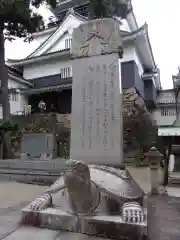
154,178
96,129
112,227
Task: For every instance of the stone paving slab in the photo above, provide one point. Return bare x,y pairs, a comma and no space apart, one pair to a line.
163,218
9,219
12,193
29,233
13,197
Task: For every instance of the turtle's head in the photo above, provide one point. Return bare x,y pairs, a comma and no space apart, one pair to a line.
76,175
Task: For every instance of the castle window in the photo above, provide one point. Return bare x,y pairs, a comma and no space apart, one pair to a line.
65,72
68,43
164,112
13,94
168,112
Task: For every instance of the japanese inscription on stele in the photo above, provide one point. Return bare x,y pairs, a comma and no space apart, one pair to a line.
97,103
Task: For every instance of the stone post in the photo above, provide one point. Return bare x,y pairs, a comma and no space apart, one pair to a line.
154,158
171,163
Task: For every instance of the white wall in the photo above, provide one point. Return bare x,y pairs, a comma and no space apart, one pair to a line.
15,106
124,26
55,40
70,25
60,45
131,54
39,39
41,69
163,120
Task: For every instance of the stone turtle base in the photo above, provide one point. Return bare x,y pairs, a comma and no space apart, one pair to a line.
102,226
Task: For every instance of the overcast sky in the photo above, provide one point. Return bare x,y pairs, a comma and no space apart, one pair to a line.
163,18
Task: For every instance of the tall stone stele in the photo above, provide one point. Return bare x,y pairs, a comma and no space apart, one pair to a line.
97,121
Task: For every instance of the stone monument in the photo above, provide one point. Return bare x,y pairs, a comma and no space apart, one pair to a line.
96,128
38,145
95,194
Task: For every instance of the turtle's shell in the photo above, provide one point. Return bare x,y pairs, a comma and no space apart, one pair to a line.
115,182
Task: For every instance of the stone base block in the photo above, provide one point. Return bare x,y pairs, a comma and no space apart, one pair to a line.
101,226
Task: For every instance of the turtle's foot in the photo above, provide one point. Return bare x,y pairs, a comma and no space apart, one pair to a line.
132,212
41,203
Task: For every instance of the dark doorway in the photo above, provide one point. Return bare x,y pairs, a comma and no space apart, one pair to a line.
59,102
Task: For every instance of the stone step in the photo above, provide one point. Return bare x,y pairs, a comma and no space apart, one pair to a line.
33,164
39,172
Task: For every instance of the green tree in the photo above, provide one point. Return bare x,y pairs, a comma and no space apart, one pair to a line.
5,126
141,129
16,20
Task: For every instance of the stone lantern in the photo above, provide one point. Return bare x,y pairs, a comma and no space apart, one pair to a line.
154,158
